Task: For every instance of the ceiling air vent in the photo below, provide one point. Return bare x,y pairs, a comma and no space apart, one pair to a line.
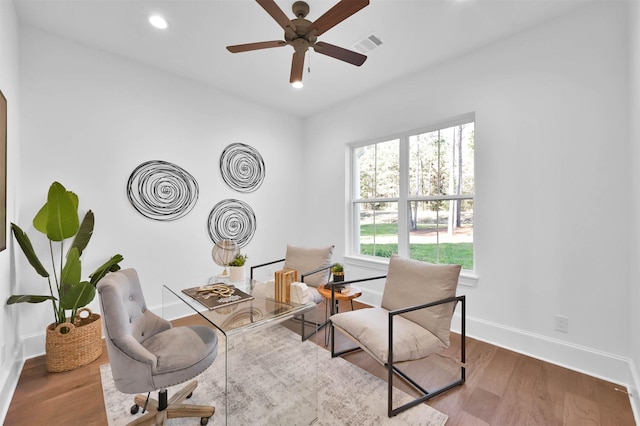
367,44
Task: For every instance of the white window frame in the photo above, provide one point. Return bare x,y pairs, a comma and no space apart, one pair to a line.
467,277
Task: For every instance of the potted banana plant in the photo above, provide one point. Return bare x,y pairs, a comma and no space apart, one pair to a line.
59,221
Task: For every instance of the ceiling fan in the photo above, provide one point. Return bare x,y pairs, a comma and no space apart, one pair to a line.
303,34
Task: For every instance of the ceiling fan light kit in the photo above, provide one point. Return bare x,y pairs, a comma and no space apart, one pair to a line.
302,34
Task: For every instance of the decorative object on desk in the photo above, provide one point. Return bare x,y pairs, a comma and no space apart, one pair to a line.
214,296
162,191
58,219
338,272
223,253
283,280
237,267
233,220
242,167
299,293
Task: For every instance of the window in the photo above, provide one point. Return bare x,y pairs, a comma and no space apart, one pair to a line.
413,195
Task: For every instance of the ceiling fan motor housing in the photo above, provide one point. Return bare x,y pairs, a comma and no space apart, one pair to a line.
302,29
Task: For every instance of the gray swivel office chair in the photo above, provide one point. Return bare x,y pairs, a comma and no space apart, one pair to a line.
148,354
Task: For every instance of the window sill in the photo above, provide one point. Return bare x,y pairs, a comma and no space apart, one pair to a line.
467,278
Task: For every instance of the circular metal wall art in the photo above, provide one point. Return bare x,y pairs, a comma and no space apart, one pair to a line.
162,191
232,220
242,167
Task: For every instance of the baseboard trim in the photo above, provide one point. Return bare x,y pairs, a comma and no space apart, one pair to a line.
593,362
9,382
633,389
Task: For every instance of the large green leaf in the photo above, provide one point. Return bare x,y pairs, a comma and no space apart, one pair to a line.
84,232
58,218
76,296
27,249
72,269
28,298
40,220
110,265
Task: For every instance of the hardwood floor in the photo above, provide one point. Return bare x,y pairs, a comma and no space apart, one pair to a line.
502,388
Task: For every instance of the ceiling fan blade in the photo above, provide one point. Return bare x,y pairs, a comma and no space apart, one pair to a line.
337,52
276,13
335,15
297,67
256,46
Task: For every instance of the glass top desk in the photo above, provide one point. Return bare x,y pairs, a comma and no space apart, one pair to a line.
236,324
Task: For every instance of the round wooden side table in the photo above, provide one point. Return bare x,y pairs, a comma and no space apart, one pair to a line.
353,293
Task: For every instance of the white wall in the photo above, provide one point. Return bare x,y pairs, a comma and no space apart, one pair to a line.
10,357
552,178
89,118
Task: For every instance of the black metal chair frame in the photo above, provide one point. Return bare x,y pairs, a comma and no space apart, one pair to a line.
316,327
392,369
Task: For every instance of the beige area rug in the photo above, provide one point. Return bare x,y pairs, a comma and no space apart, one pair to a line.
274,379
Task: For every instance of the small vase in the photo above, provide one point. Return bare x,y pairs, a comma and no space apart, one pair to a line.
338,276
236,273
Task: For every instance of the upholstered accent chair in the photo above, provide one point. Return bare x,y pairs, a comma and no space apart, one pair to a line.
314,269
413,322
148,354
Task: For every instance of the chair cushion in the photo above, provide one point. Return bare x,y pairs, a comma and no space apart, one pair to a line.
370,327
305,259
314,295
182,353
412,282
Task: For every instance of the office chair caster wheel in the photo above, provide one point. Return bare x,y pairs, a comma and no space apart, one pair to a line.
204,421
134,409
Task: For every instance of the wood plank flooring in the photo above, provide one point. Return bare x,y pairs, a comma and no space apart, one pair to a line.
502,388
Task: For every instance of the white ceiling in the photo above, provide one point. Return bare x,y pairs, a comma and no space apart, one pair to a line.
415,33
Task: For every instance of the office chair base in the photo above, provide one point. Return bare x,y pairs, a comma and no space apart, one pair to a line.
174,408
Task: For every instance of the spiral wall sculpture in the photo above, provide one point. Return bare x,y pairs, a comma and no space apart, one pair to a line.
232,220
162,191
242,167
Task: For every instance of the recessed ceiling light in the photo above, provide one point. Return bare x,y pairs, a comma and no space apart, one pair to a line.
158,22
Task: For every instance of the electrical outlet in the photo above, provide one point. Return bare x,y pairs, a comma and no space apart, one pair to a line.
562,324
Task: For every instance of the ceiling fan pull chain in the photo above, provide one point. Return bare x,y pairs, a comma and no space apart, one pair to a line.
308,62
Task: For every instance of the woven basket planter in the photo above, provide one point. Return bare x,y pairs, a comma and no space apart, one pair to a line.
81,345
